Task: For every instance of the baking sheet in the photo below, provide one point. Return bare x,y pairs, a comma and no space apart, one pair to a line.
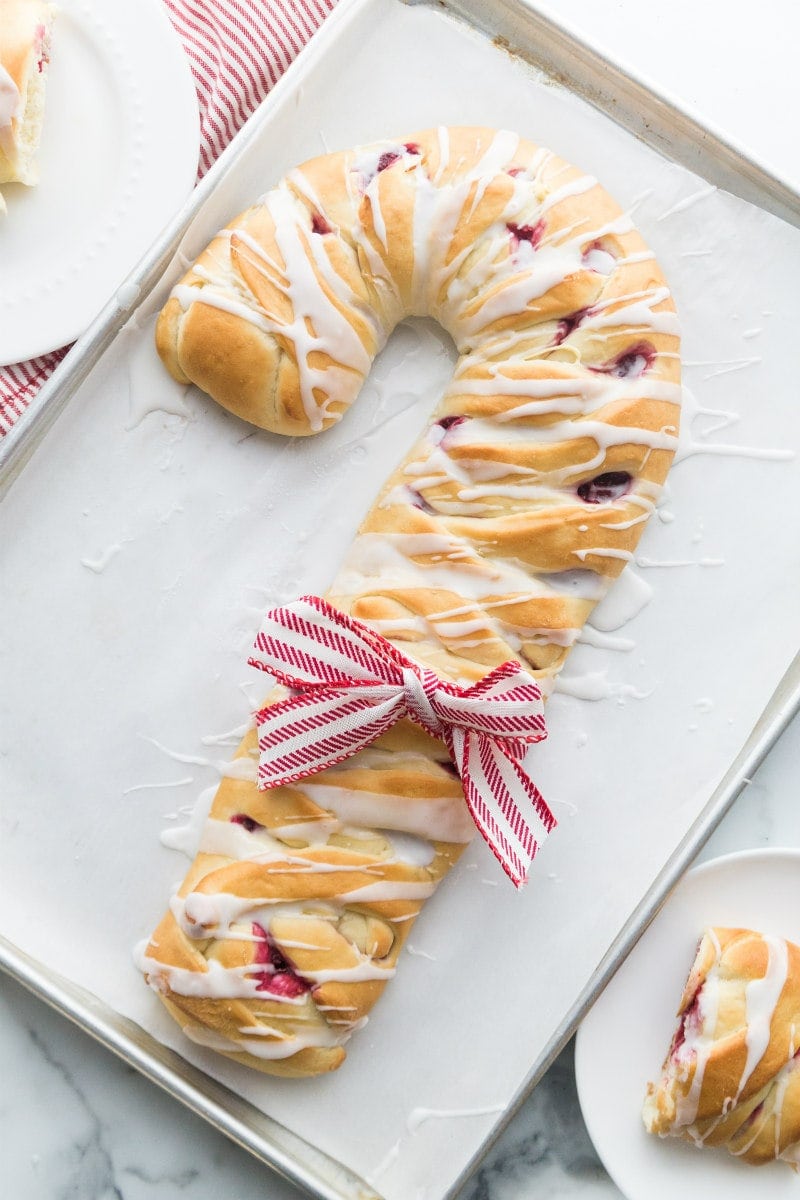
150,531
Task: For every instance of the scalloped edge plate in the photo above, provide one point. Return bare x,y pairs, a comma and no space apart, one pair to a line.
118,157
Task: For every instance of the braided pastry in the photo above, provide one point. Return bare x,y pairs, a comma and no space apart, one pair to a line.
493,540
24,49
732,1074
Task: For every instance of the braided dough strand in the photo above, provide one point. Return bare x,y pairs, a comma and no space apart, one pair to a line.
732,1075
493,540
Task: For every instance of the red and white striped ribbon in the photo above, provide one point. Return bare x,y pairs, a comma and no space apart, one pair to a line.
237,50
353,685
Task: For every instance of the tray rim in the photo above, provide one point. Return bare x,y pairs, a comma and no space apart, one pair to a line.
651,113
317,1173
522,31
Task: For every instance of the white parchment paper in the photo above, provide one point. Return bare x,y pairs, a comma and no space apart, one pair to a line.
151,529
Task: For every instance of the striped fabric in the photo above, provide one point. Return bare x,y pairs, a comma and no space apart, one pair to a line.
353,685
237,50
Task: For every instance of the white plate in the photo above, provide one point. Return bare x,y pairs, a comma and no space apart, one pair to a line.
623,1040
118,157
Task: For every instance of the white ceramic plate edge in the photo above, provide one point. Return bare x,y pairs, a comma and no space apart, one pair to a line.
622,1041
118,157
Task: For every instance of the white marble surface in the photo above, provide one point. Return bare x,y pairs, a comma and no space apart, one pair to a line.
79,1125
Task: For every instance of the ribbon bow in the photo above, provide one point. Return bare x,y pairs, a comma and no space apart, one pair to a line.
353,685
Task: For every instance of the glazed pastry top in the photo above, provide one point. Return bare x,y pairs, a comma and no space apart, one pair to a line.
732,1074
493,540
530,487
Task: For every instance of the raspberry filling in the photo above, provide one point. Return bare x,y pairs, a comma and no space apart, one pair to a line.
632,364
277,976
611,485
446,424
690,1026
387,160
41,48
247,822
532,234
319,224
390,157
568,325
418,501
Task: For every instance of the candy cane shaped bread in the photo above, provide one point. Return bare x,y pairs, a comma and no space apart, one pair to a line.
492,541
731,1077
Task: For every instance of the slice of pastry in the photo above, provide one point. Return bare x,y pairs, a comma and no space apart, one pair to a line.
24,57
732,1073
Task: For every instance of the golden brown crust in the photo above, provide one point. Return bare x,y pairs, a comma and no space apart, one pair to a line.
493,540
732,1075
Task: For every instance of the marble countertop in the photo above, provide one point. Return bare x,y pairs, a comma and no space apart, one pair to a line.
83,1126
79,1124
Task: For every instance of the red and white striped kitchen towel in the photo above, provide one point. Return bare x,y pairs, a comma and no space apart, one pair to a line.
237,50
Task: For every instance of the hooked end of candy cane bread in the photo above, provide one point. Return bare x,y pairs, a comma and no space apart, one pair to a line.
283,313
731,1077
231,328
25,32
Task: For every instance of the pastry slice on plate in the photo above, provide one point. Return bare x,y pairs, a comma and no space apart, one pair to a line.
25,27
732,1073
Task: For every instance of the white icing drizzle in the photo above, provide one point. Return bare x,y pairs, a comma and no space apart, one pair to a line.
682,205
603,552
232,840
499,273
438,286
590,636
761,999
780,1085
440,818
217,982
415,953
624,601
389,889
99,564
386,1162
283,1046
143,787
366,969
480,432
186,838
697,1048
595,685
690,445
418,1116
9,98
10,103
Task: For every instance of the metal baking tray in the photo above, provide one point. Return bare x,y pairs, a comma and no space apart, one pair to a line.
524,33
